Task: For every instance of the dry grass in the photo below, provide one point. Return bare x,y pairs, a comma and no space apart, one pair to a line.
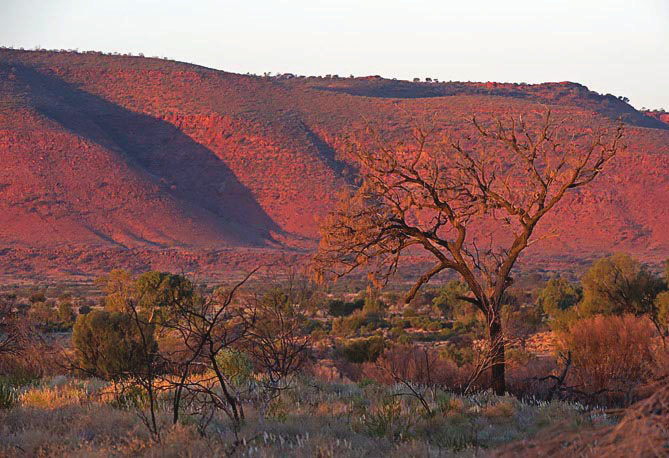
642,432
66,416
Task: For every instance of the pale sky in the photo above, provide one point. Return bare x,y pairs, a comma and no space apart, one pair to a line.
611,46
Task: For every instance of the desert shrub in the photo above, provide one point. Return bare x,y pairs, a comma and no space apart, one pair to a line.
387,420
276,340
434,326
39,358
43,314
8,395
619,285
449,303
416,364
235,364
528,381
461,353
24,353
23,309
557,301
558,294
373,305
66,312
363,350
358,322
423,299
521,321
610,353
37,297
54,396
131,397
405,338
661,306
36,357
153,292
109,344
339,308
348,325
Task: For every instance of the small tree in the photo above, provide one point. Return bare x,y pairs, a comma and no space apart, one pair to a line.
436,194
206,327
620,284
66,312
449,300
558,300
276,339
617,285
110,346
558,294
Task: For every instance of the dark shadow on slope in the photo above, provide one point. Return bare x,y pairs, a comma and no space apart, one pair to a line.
390,89
327,153
185,169
565,94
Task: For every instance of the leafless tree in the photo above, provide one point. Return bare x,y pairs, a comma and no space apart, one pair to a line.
440,193
276,339
204,326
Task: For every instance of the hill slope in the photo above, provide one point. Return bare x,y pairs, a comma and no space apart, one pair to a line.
112,160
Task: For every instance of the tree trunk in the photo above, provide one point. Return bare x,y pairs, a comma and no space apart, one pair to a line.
497,353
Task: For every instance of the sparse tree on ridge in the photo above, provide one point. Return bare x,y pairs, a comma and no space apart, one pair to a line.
440,193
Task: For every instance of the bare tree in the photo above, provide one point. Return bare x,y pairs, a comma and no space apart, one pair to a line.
204,326
276,339
441,193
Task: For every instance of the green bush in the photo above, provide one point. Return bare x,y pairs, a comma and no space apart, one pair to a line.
133,397
409,312
349,325
619,285
459,354
235,364
8,396
340,308
66,312
434,326
405,339
558,295
387,420
109,344
363,350
448,300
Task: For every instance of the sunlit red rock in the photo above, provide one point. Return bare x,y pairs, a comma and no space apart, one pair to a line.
111,160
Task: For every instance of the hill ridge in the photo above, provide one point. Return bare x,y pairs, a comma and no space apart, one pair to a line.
132,153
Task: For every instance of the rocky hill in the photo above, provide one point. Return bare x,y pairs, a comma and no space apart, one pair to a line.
128,161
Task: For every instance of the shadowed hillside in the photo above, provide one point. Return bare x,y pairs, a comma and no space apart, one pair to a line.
106,156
